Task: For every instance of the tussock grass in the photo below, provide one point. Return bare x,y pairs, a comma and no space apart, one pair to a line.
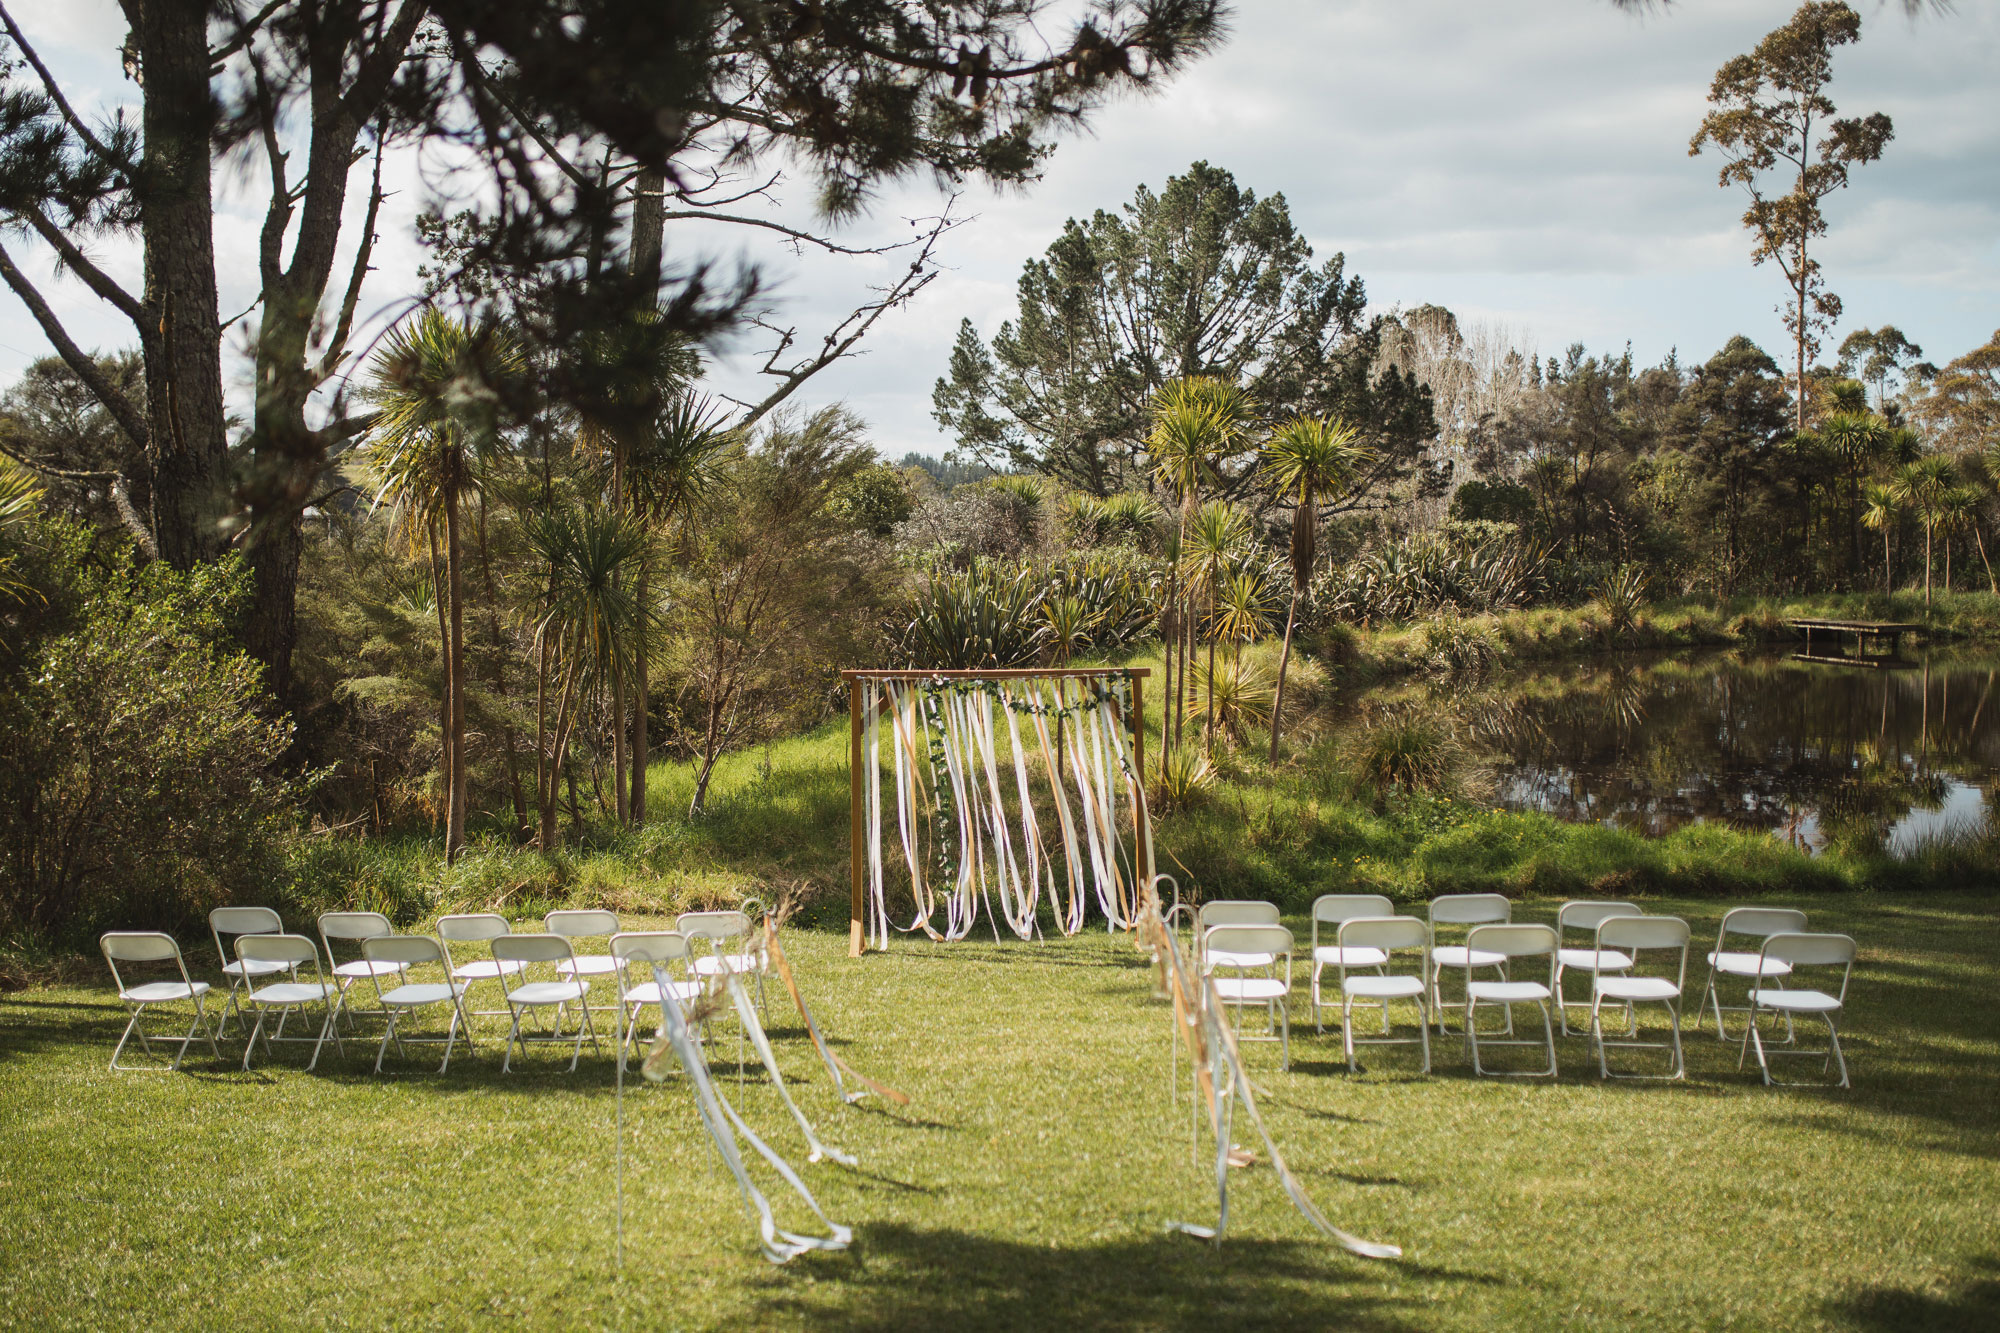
1028,1184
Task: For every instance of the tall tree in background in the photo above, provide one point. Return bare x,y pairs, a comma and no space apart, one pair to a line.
1204,278
1961,405
436,386
1306,458
1875,356
1768,108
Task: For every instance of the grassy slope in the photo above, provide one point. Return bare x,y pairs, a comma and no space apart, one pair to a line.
1028,1183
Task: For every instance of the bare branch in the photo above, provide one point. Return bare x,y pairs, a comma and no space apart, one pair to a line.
796,236
841,340
50,470
129,418
363,250
81,264
245,34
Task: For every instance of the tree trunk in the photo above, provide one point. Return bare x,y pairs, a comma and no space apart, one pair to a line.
1927,566
621,806
187,455
454,829
1888,575
1980,537
641,697
440,600
1284,661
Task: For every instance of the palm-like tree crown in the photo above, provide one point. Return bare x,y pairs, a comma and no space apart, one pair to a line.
436,388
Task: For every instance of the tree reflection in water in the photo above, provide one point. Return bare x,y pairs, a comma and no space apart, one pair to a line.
1814,753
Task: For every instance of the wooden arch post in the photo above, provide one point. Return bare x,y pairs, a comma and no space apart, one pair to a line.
858,682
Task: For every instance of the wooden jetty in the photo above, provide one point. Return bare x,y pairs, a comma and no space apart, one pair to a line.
1881,635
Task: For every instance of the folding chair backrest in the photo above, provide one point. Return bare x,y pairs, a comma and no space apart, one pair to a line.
1248,938
353,925
1470,909
1761,922
1585,915
1637,931
713,925
578,923
473,927
277,949
1385,932
1524,940
407,949
242,921
1338,907
531,948
650,946
1237,912
1804,950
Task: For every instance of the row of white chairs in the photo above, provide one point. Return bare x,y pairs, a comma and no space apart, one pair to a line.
1630,958
276,974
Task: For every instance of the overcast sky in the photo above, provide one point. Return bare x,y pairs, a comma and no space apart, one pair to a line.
1524,164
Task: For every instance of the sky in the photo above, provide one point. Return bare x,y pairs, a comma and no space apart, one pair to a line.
1524,164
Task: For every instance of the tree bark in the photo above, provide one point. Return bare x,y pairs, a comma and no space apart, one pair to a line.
454,829
187,449
649,209
1284,661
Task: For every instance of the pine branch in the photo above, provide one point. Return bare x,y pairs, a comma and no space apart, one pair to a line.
122,410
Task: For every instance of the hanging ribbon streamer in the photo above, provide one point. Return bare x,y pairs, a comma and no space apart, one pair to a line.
724,1124
831,1059
1221,1082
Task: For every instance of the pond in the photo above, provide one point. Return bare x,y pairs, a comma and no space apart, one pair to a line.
1881,756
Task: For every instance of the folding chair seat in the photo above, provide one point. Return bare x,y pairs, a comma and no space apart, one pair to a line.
1232,912
1333,909
718,929
478,928
152,946
235,921
355,927
1750,966
1797,949
525,995
642,956
1584,916
1227,946
1364,939
1622,944
1508,942
397,954
1469,910
286,998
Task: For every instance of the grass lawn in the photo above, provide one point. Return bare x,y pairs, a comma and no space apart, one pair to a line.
1028,1183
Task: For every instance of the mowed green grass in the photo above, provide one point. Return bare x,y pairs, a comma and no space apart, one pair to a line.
1029,1182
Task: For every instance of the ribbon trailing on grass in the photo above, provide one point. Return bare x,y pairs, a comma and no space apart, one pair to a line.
1222,1082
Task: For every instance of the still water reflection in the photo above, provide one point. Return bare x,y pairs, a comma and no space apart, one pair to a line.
1808,751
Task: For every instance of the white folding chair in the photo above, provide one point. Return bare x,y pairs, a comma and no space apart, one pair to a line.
153,946
398,954
1334,909
1231,912
1227,946
1750,966
1363,940
1509,942
641,957
355,927
1584,916
525,995
1469,910
1627,942
285,998
575,924
1796,950
718,929
234,921
477,928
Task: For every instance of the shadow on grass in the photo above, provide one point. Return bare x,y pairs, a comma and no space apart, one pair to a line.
1974,1305
905,1277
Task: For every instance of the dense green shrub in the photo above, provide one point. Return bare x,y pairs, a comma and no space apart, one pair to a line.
140,785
